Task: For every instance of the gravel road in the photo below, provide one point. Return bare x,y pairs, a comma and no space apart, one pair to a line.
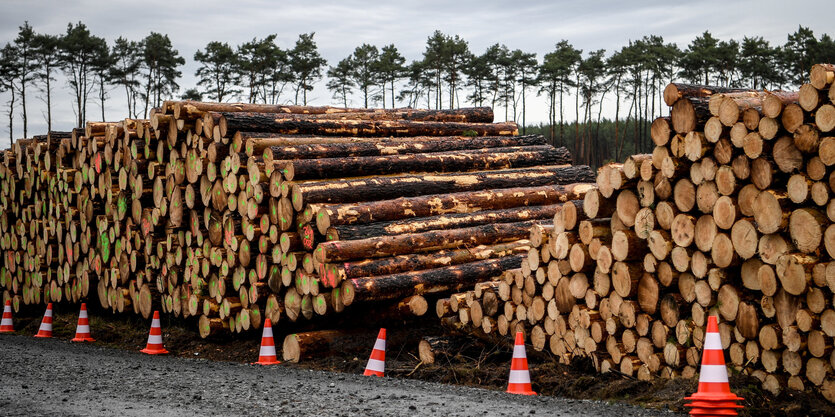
56,378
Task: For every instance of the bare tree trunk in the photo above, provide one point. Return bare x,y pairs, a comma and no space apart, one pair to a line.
392,94
48,102
11,118
562,85
600,146
102,97
524,124
577,116
23,103
617,121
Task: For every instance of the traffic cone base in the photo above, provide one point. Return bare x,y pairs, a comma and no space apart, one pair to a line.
46,324
520,378
714,396
267,355
82,331
377,361
6,324
155,346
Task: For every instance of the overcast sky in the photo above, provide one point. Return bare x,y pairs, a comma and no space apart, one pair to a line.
340,26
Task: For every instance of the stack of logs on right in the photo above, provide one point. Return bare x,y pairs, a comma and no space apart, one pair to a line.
732,214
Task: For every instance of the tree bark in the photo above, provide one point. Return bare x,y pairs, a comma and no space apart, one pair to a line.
230,123
290,150
335,251
195,109
454,161
429,205
382,188
430,281
442,222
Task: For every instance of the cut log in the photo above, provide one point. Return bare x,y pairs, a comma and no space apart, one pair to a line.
465,202
430,281
676,91
335,251
443,222
306,345
269,123
287,147
454,161
381,188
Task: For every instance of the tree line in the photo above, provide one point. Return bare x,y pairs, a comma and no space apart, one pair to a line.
574,83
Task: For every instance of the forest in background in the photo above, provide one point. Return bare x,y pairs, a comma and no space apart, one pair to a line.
574,83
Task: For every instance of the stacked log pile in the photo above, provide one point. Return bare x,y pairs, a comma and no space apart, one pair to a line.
231,213
732,214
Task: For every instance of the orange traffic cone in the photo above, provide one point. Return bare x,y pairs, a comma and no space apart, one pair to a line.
377,362
154,346
714,397
46,324
267,355
82,331
6,325
520,378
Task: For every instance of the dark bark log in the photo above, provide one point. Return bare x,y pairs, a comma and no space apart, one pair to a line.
333,274
387,146
455,161
195,109
337,251
675,91
381,188
443,222
266,122
430,281
465,202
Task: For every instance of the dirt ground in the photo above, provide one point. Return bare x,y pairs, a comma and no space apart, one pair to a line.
467,361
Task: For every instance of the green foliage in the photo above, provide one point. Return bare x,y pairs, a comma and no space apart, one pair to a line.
306,65
341,82
364,62
218,70
160,63
78,49
192,94
263,69
390,68
126,70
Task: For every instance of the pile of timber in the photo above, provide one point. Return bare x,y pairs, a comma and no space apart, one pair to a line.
732,214
228,214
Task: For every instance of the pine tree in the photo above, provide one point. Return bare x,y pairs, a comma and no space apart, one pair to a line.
26,45
390,69
218,71
102,65
126,70
341,82
306,65
160,63
78,50
46,61
364,64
